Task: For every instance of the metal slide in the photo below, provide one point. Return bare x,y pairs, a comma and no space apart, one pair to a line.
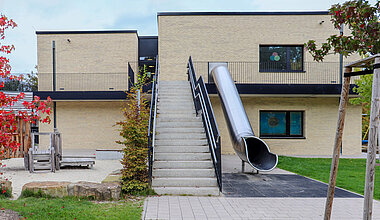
247,146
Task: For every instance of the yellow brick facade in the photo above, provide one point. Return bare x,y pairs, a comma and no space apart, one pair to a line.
87,124
320,118
87,62
236,38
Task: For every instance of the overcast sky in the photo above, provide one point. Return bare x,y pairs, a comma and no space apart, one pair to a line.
140,15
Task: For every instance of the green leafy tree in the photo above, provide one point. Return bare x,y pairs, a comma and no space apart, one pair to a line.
27,84
134,130
362,21
31,82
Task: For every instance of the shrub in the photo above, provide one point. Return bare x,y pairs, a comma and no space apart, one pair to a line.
134,130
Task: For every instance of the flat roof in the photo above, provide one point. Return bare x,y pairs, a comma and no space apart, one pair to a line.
244,13
88,32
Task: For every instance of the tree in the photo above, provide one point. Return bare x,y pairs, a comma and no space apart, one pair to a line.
31,82
134,130
362,21
9,118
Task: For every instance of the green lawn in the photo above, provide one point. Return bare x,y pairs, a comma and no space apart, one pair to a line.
351,172
71,208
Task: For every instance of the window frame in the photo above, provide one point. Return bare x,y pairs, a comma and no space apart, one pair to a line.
287,125
288,70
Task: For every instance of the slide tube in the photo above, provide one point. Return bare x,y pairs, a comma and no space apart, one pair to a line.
247,146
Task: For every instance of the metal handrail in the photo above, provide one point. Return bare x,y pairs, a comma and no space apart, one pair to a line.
202,104
152,122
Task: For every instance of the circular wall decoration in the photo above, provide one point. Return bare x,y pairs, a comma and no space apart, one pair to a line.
273,121
275,57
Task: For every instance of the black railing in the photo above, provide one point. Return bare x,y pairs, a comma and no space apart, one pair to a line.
269,73
131,76
152,122
203,105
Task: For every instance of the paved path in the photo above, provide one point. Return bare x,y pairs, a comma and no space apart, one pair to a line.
191,207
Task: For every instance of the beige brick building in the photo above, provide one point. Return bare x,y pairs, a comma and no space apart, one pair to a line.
91,75
92,70
239,40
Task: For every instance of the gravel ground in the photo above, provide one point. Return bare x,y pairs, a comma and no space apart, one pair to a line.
15,172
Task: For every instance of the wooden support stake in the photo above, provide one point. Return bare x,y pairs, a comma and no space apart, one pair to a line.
337,144
371,152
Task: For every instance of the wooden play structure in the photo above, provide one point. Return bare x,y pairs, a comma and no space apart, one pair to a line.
38,158
22,136
45,159
374,62
23,133
50,158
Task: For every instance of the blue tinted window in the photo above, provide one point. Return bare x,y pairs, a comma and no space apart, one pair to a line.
273,123
295,123
281,123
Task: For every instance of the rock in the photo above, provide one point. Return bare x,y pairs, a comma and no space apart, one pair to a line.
52,188
97,191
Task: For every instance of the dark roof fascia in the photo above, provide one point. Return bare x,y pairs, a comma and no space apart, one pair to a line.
88,32
148,37
243,13
286,89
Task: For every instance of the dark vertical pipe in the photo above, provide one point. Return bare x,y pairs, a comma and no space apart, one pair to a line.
54,68
55,114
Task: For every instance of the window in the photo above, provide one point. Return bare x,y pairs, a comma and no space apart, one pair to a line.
281,124
281,58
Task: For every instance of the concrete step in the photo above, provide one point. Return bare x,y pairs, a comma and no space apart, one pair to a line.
180,130
182,156
171,82
195,191
175,90
180,124
175,102
187,182
206,164
176,111
169,87
172,105
187,149
184,118
187,98
181,142
176,107
160,173
180,136
177,114
175,95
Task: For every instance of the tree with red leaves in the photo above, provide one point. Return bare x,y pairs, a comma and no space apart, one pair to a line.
362,21
8,118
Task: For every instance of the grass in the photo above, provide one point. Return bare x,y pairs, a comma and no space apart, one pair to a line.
351,172
73,208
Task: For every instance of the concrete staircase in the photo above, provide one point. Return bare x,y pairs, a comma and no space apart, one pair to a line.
183,162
